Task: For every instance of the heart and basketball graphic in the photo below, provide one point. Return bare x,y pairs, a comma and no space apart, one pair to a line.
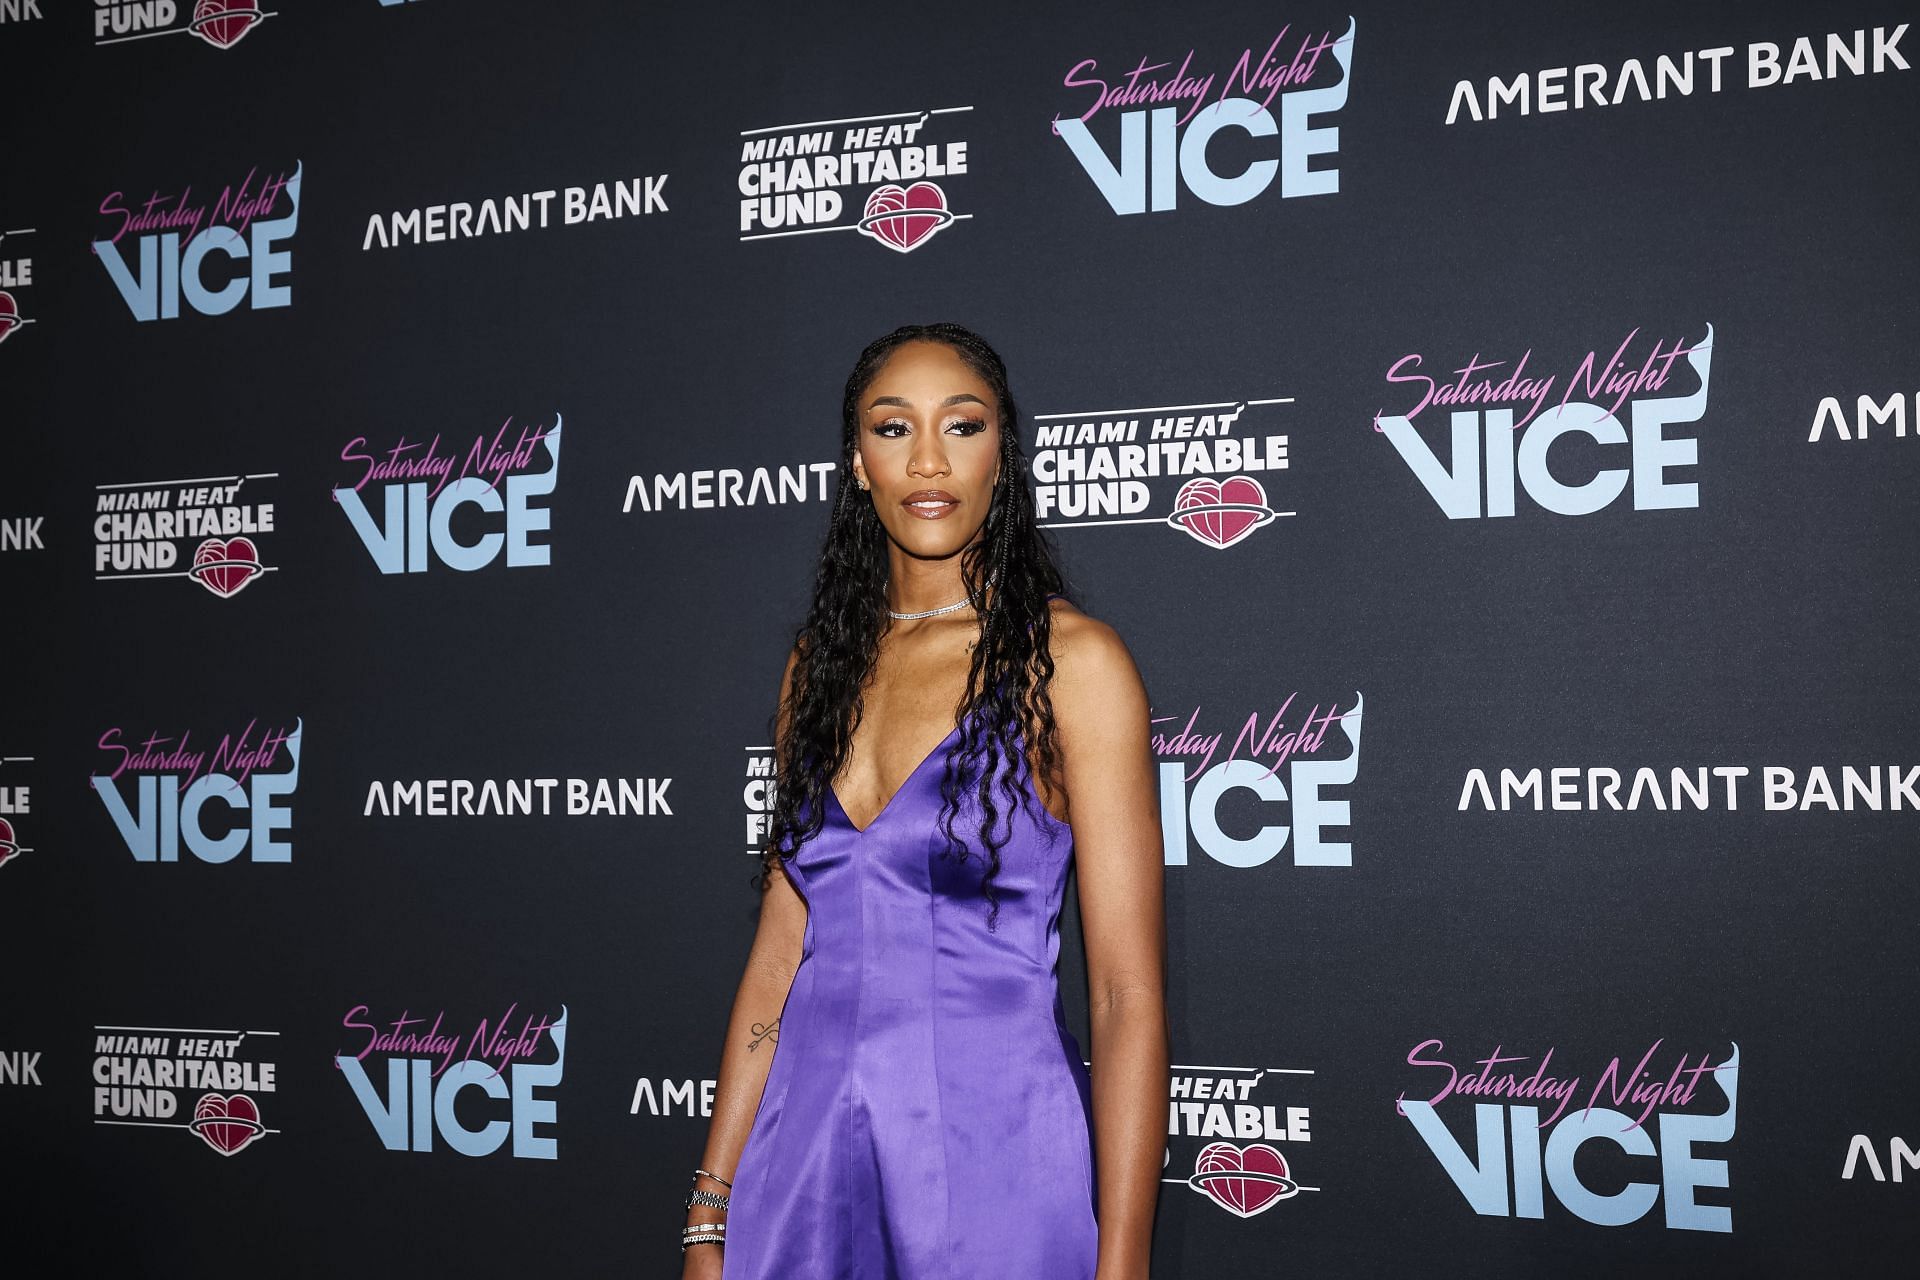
1220,512
904,218
9,843
227,1124
10,317
222,23
223,566
216,528
1244,1181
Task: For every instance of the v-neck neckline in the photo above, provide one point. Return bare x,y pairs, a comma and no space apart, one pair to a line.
834,794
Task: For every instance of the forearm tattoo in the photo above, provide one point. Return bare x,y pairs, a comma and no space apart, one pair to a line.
762,1031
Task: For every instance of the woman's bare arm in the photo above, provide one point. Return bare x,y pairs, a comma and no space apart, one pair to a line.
1101,711
752,1033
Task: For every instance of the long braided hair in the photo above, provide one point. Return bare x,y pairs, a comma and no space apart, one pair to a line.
1009,572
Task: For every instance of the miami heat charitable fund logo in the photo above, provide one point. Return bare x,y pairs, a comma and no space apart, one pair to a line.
1516,409
1229,1125
891,178
221,24
1545,1123
407,493
513,1061
16,278
1239,786
213,1084
16,803
1144,126
227,801
1204,469
208,530
757,792
163,247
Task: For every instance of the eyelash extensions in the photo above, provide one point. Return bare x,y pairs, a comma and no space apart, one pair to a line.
974,425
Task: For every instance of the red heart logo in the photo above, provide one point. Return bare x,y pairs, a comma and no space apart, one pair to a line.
903,218
1217,514
9,315
1243,1181
9,847
221,23
227,1124
223,567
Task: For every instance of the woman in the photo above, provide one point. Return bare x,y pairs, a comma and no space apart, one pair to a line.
926,1115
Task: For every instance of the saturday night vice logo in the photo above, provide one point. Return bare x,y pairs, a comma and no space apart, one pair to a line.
1546,1125
1518,409
421,488
232,800
1163,112
430,1060
1227,777
162,247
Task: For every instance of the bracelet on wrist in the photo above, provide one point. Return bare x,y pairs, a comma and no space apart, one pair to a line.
703,1233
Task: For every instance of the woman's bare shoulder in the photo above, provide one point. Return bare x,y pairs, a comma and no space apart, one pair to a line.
1091,662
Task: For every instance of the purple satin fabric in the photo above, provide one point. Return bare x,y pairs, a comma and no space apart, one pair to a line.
927,1115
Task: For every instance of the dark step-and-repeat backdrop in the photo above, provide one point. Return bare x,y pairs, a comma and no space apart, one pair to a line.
1493,427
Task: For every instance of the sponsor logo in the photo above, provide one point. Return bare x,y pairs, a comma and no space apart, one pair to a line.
1225,1122
666,1097
1831,418
527,210
890,178
20,1067
209,1083
1595,788
160,792
507,797
1864,1157
758,796
730,487
1671,76
1528,420
16,277
1520,1157
220,23
430,1063
21,533
418,489
200,529
16,802
171,239
1162,148
1212,788
1205,467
